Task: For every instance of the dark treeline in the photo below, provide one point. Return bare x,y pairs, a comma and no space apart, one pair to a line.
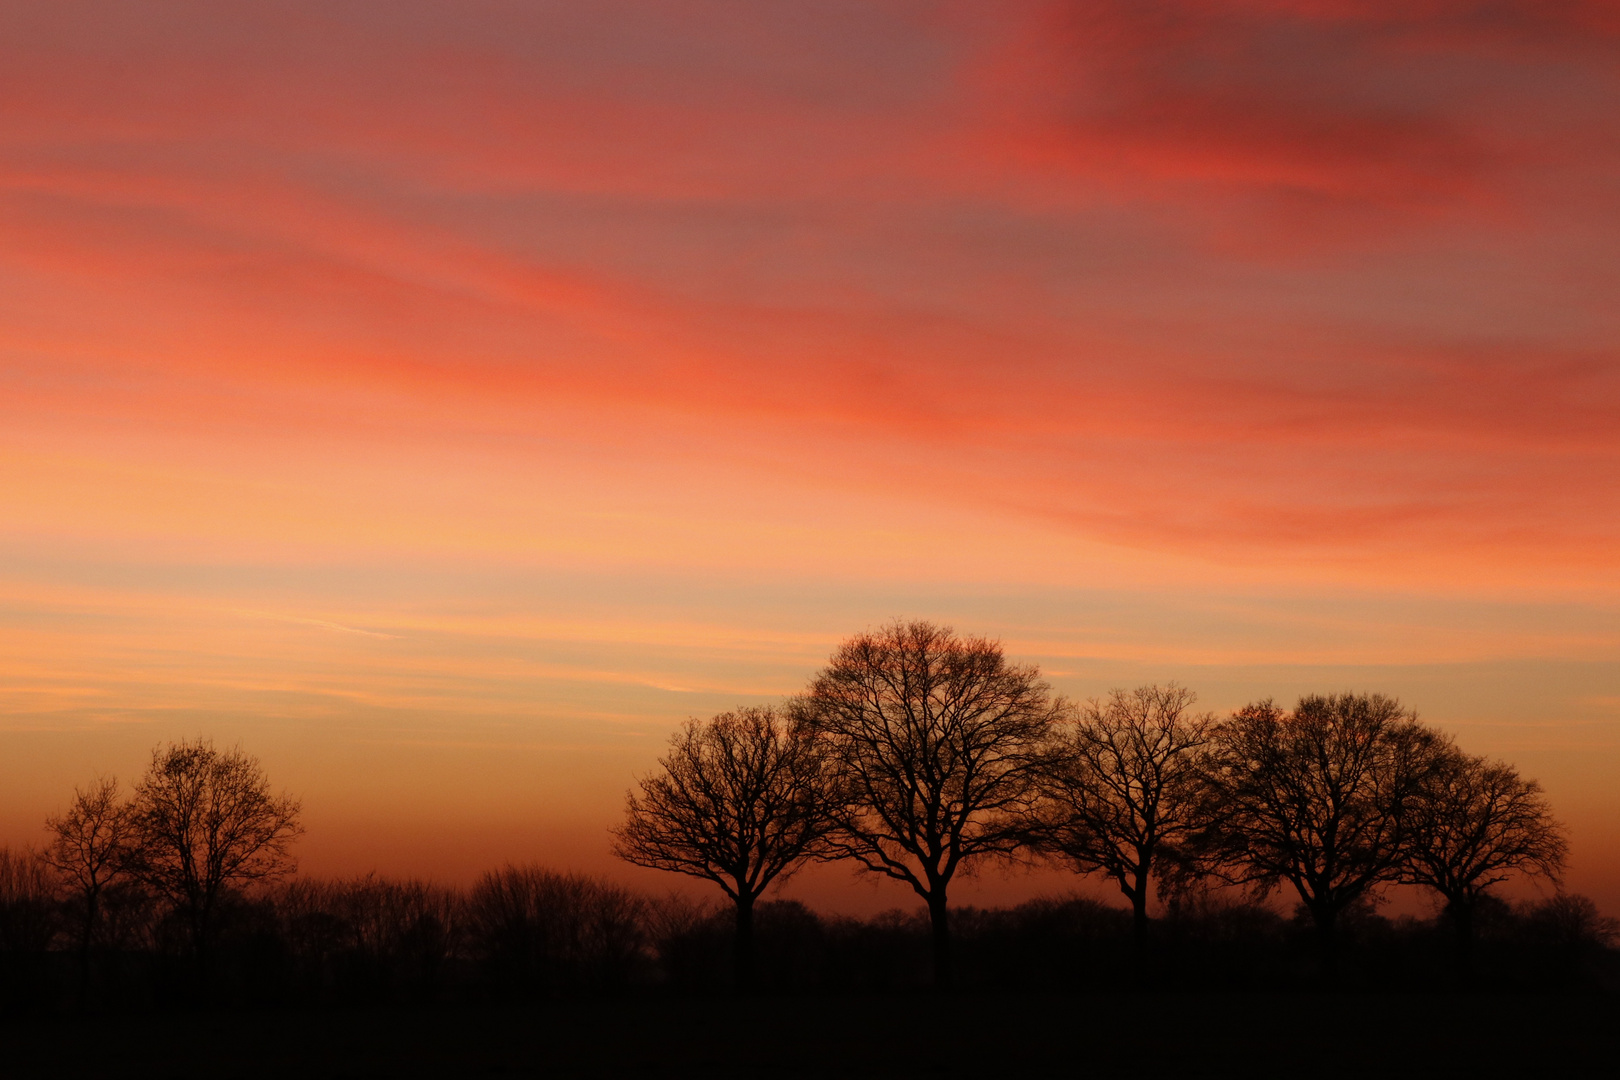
1252,852
528,933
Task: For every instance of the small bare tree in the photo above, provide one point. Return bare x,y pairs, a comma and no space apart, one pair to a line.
1320,798
28,907
206,821
1475,824
939,744
1125,788
740,800
91,846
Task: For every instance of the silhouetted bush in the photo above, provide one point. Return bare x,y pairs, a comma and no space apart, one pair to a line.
888,952
1213,937
689,942
30,922
692,944
537,932
1060,943
30,917
1562,943
369,938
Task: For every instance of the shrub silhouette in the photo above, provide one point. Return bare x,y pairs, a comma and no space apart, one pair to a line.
537,932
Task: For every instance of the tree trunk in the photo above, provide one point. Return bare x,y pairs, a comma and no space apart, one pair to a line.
202,958
939,920
92,908
742,946
1462,921
1327,942
1139,917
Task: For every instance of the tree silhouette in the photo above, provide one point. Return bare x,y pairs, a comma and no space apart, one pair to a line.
1125,787
91,845
741,800
1475,824
938,743
205,820
28,906
1319,798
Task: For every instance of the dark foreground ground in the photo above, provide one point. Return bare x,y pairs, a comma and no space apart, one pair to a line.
828,1037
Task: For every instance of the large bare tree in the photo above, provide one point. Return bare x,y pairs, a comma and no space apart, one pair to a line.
1475,824
939,742
91,845
205,820
1125,788
1320,798
740,800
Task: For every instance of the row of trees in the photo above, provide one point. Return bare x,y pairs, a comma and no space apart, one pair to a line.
527,932
918,755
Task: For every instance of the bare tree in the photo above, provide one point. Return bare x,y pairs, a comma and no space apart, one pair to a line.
91,846
740,800
1125,788
1475,824
939,743
1320,798
206,821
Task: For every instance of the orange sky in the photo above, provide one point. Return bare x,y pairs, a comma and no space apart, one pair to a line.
444,400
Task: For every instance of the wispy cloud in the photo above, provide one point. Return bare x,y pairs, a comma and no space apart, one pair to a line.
667,312
320,624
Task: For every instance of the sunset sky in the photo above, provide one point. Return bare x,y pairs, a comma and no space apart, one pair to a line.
445,400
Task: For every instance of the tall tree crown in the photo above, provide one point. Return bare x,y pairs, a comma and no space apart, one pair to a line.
1125,787
1320,797
938,740
739,799
206,819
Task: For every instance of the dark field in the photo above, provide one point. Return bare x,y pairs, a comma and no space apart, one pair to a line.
901,1036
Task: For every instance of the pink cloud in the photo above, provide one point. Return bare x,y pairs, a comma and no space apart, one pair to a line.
1283,278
